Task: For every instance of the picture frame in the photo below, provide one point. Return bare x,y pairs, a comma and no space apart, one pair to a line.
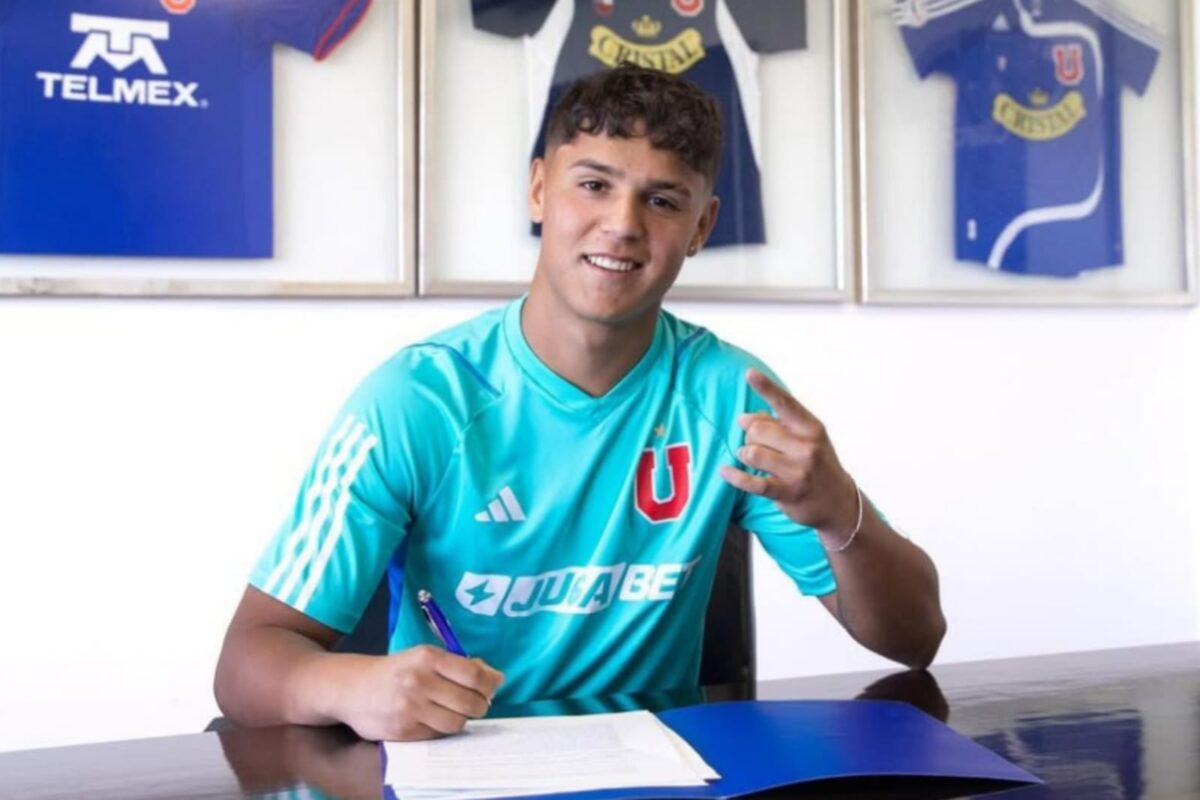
477,125
931,232
344,188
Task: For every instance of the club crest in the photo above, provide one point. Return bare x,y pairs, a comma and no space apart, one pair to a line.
679,463
1068,64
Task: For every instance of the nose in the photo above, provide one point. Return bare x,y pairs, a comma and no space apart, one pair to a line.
623,217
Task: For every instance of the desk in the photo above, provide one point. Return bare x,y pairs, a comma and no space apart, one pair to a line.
1099,725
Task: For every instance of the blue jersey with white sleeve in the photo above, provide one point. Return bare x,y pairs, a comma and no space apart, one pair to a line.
143,127
1037,123
570,540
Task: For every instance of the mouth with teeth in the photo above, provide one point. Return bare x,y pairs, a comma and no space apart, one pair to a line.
612,264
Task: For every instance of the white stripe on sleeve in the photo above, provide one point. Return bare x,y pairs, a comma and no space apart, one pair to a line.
333,457
339,522
313,530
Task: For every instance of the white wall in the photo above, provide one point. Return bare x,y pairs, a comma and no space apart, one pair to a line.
1046,458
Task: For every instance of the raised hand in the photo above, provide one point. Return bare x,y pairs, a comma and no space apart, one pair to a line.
803,474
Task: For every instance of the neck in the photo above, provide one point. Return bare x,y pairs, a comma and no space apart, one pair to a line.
591,355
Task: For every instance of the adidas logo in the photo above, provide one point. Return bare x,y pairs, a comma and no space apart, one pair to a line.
1001,24
504,508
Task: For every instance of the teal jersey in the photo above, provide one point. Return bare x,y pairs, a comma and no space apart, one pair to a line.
571,540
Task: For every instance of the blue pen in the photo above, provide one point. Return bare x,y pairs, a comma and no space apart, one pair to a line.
438,622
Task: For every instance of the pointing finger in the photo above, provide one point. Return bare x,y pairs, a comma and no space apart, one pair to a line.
784,404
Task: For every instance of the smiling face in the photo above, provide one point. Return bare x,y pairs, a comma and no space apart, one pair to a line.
618,218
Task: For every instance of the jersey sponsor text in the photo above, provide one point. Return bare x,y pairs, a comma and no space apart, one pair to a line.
120,43
675,56
572,590
89,89
1039,124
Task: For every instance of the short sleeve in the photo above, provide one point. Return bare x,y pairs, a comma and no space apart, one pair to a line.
1134,47
313,26
795,548
771,26
355,504
933,30
513,18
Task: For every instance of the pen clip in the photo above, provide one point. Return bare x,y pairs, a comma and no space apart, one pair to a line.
438,623
423,598
423,602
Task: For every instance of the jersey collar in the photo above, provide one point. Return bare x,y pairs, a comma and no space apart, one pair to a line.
563,391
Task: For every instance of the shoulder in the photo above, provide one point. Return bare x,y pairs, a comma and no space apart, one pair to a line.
1118,17
917,14
449,375
701,354
709,369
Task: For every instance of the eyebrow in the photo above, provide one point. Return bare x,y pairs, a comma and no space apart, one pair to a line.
653,186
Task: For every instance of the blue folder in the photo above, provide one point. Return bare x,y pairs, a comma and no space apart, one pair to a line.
758,745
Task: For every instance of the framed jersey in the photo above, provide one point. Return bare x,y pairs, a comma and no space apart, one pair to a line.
162,147
1056,158
779,68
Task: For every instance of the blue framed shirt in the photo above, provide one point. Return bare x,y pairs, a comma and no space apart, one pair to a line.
1037,123
143,127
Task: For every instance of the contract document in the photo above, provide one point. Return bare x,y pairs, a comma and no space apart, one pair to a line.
541,755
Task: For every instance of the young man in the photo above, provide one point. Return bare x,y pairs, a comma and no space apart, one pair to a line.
559,473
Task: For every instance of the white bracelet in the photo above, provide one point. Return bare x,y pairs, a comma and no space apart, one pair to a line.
857,526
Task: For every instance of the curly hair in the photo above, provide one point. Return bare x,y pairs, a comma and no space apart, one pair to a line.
631,101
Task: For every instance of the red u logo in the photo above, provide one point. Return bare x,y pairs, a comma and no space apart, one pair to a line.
679,461
179,6
688,8
1068,64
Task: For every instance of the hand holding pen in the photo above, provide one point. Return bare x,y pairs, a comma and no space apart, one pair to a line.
420,693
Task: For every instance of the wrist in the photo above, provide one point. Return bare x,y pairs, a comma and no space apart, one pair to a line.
839,541
318,688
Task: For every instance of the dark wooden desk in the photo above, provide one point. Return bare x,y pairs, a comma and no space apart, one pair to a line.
1100,725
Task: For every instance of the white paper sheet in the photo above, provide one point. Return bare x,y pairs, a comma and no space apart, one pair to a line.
537,755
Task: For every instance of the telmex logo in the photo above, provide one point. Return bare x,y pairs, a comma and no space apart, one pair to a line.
120,43
572,590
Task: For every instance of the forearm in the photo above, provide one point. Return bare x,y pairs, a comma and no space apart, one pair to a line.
887,595
271,676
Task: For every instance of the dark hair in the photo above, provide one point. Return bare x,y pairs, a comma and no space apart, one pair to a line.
630,101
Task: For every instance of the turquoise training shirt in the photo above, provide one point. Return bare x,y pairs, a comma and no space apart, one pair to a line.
571,540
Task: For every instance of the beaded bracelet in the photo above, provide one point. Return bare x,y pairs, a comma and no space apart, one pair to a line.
857,526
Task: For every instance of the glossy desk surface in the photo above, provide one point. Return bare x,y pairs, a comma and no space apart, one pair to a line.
1099,725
